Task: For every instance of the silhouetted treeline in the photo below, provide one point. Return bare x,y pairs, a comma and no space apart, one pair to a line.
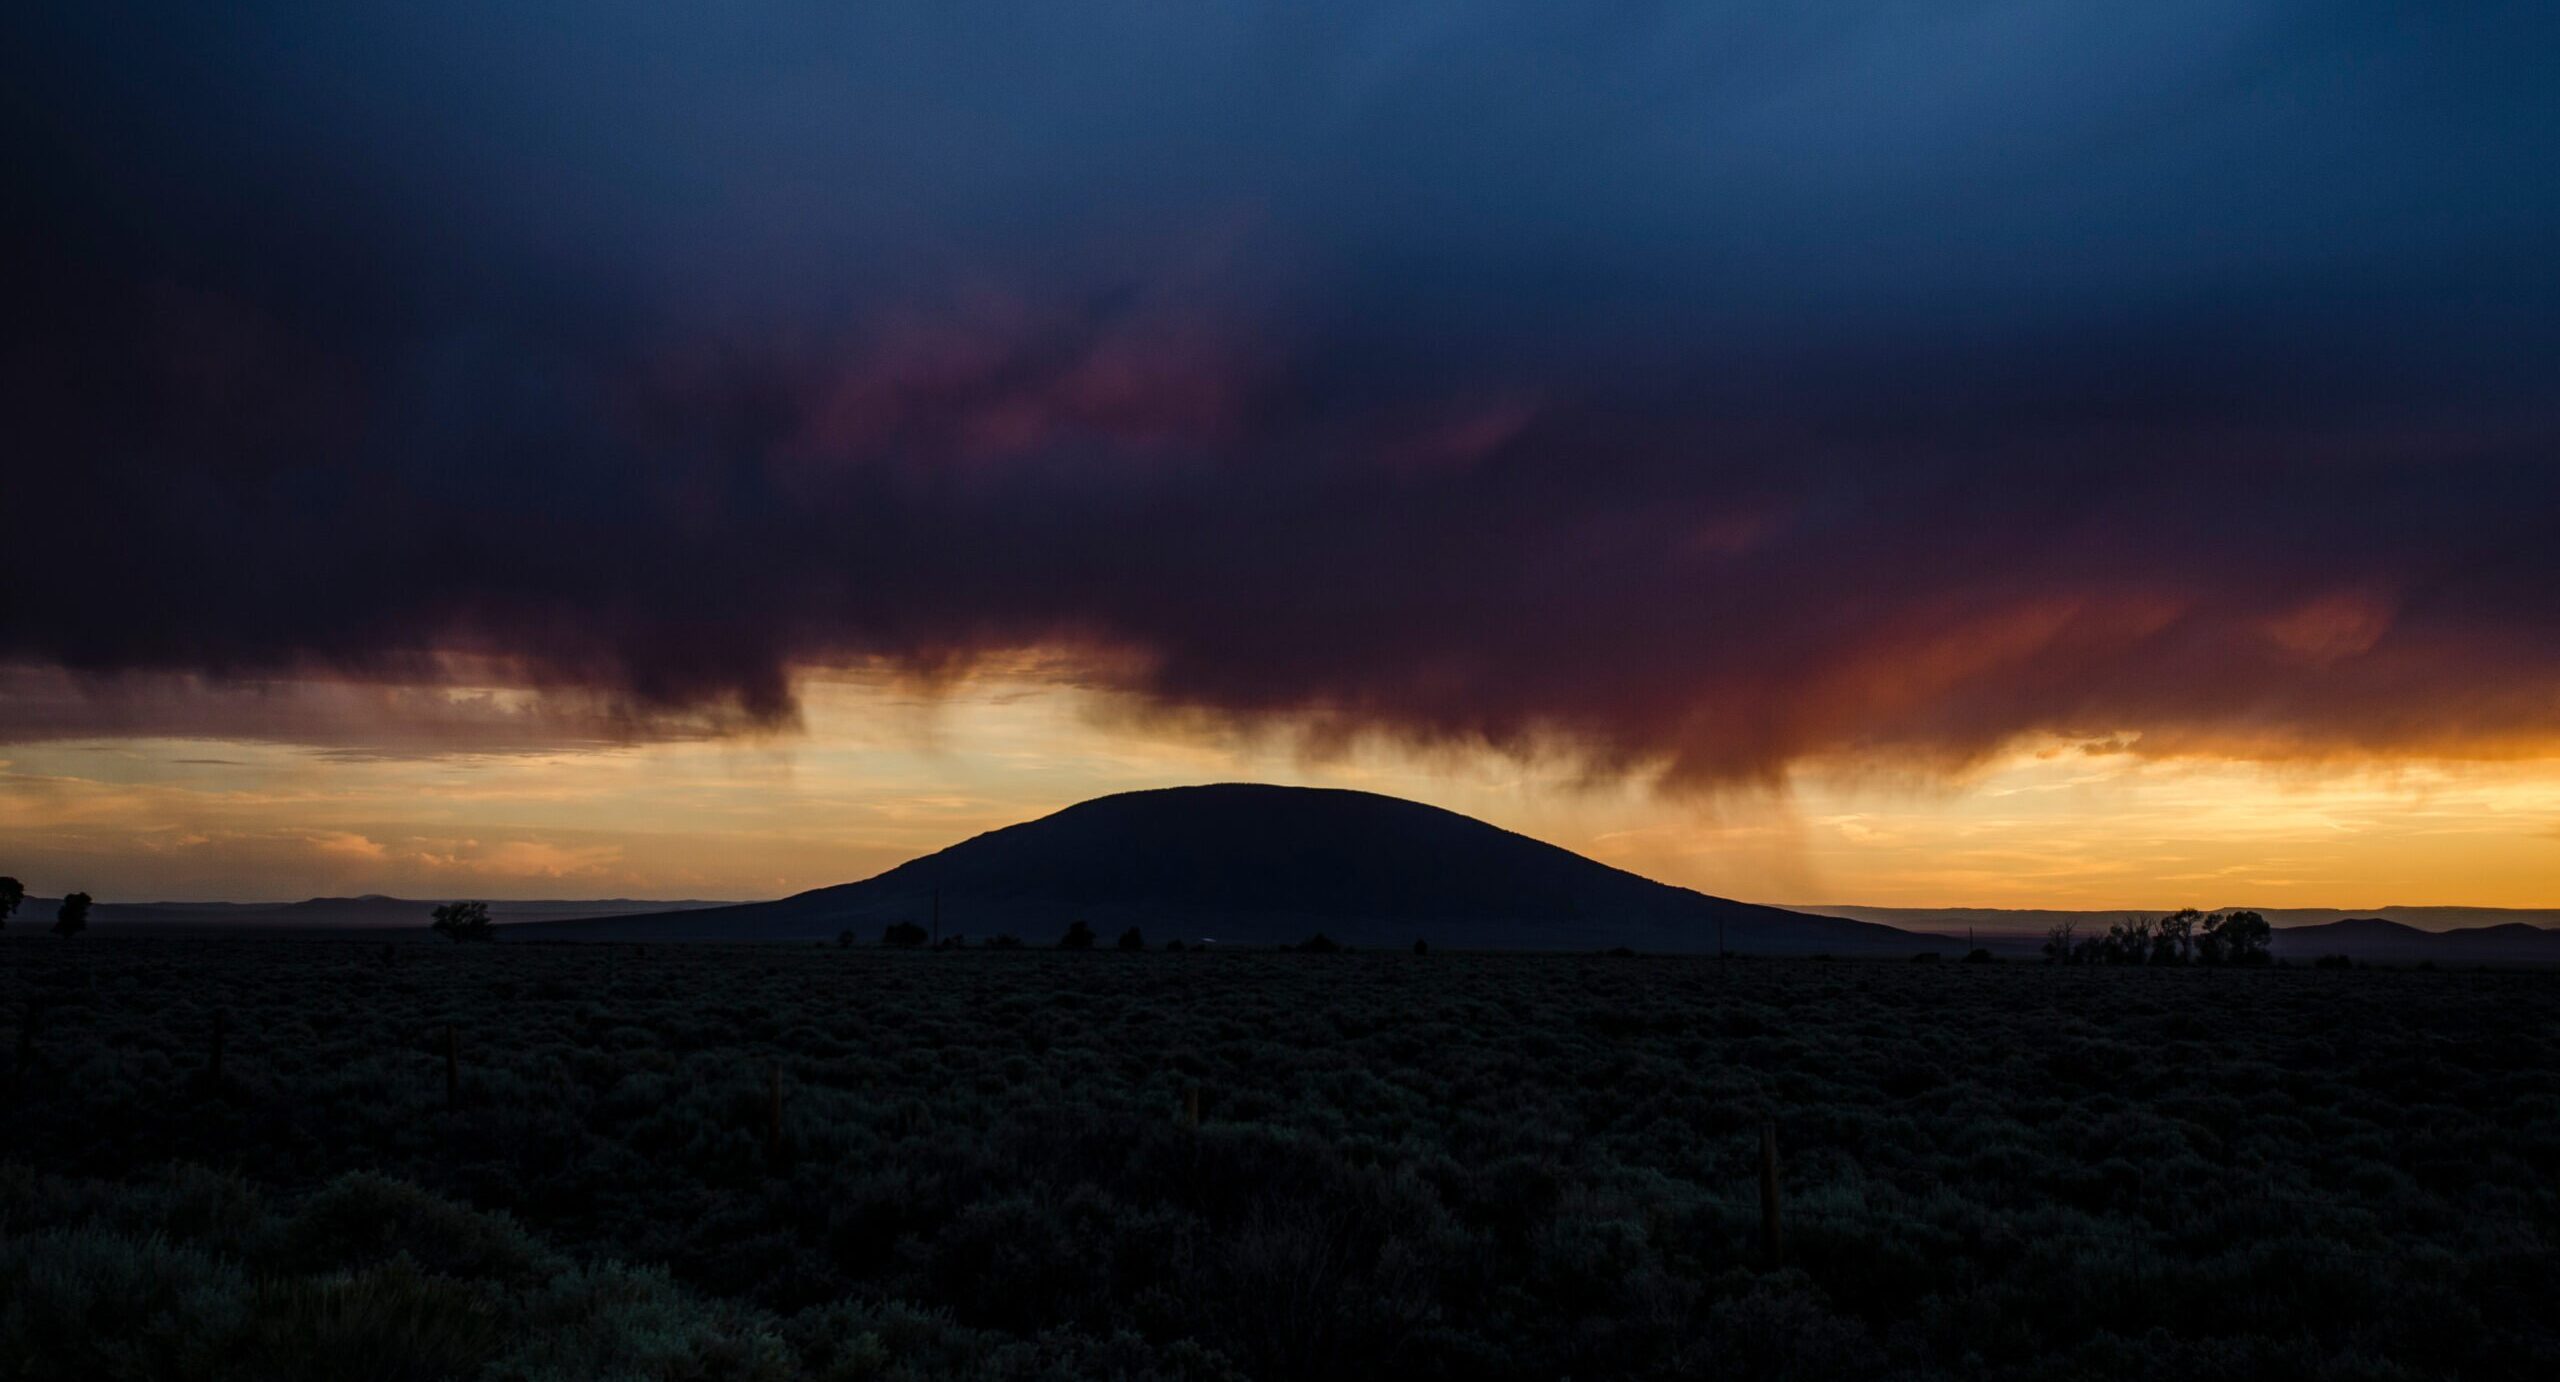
69,919
2186,936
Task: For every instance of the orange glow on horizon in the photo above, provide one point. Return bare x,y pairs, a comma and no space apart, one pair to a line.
884,770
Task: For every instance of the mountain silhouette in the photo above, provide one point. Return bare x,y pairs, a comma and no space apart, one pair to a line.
1242,863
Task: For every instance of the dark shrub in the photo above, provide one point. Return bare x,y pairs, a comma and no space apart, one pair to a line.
391,1323
904,935
1319,944
1004,942
1131,940
1079,936
1422,947
1978,956
364,1220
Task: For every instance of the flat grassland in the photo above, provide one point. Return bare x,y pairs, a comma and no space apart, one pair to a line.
1459,1166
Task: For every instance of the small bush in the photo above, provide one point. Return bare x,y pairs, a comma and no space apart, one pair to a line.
363,1220
390,1323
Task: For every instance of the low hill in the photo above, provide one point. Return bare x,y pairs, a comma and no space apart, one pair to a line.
2376,938
1259,865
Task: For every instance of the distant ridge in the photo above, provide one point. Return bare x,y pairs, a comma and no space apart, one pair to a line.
1243,863
370,912
2450,934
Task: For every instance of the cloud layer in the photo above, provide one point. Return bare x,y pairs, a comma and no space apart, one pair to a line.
1700,392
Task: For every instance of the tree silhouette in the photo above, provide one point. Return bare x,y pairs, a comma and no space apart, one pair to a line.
2128,942
2240,938
1131,940
73,918
2060,947
905,935
1079,937
12,892
2176,942
464,921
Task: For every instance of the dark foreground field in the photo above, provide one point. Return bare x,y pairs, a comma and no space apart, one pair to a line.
1405,1166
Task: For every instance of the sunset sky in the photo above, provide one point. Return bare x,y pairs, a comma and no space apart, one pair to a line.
2005,454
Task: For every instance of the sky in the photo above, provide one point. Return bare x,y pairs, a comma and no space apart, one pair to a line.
1905,453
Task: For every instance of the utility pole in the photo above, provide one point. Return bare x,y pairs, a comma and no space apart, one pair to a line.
773,1118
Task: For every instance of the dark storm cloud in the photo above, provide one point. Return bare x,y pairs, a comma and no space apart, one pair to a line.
1706,386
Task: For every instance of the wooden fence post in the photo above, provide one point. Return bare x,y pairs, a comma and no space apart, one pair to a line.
26,1045
1772,1243
773,1119
452,1071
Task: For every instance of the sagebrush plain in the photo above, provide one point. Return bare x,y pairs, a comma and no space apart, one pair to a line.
749,1162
